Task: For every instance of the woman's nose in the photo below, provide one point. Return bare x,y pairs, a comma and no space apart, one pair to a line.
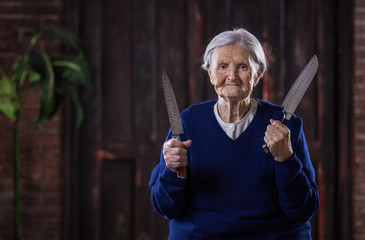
232,74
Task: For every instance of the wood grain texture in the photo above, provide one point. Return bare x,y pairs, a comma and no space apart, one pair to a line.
128,44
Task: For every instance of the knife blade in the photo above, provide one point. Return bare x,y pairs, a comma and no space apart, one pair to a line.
174,115
297,90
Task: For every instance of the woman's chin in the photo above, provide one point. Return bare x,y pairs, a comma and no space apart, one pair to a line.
236,95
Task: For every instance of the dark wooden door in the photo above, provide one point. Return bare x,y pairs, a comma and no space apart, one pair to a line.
128,43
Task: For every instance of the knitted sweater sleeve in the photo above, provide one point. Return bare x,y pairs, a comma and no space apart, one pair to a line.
167,190
295,180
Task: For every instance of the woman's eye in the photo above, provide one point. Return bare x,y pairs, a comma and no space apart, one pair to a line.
242,67
222,67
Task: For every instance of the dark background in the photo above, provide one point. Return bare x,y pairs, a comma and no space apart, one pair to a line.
128,44
92,183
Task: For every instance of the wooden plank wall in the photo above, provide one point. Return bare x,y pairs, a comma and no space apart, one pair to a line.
128,44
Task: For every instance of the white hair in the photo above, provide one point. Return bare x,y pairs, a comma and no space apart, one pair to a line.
243,38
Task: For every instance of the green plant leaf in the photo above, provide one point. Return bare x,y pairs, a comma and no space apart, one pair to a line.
36,63
56,75
9,103
33,76
67,64
48,101
70,90
33,39
63,35
22,72
73,70
85,72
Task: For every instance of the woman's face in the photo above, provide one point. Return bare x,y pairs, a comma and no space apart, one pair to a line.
231,73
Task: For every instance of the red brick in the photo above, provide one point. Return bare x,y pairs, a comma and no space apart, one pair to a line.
360,63
360,54
359,125
51,173
47,184
359,13
6,197
50,9
31,199
53,198
10,8
43,210
359,91
31,173
359,4
43,1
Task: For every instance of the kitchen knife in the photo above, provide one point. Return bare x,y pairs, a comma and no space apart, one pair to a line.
297,91
174,115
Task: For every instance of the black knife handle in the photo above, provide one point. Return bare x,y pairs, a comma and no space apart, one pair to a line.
264,146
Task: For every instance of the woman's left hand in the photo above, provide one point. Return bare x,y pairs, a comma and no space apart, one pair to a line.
277,139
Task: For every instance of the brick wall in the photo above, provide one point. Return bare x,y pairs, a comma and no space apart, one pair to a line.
359,122
41,147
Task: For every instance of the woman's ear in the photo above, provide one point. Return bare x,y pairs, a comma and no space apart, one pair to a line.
211,77
259,75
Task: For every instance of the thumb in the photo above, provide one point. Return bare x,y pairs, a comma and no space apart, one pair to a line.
187,143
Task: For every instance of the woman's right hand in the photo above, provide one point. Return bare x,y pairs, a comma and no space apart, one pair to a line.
175,153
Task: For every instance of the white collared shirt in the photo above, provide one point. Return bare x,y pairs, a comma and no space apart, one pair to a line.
234,130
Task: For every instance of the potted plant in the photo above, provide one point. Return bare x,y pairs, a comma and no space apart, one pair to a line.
57,75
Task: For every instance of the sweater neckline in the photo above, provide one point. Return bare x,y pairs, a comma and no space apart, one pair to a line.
235,129
243,136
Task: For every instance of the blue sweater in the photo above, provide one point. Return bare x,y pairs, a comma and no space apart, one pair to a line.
233,189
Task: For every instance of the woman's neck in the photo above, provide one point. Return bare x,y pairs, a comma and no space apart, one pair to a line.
232,111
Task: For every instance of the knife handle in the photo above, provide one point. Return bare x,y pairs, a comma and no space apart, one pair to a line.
181,172
264,146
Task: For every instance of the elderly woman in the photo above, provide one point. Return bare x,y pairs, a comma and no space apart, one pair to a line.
234,190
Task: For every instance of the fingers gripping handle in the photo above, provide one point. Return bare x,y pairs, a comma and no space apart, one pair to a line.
264,146
181,172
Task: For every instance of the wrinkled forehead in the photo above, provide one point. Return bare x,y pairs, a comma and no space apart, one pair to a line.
228,53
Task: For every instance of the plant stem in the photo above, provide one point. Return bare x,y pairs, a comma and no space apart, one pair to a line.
16,180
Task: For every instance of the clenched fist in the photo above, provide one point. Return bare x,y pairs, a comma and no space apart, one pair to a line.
176,154
277,139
